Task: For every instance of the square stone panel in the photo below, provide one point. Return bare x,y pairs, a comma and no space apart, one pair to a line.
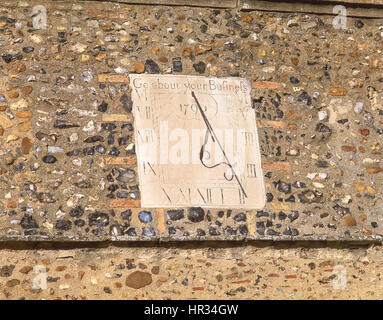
197,143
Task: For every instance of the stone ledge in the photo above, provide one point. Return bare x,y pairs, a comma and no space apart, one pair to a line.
355,8
365,8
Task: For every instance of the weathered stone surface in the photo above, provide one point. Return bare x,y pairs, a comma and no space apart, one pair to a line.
67,120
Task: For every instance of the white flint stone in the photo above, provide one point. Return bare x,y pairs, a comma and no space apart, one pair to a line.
322,115
358,107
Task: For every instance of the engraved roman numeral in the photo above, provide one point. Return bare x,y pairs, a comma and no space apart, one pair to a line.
244,113
148,112
148,168
146,135
241,196
184,196
248,138
145,112
166,194
207,198
251,170
208,195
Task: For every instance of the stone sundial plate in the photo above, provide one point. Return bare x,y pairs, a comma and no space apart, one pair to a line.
197,142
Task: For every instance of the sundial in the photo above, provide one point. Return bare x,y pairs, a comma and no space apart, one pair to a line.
197,142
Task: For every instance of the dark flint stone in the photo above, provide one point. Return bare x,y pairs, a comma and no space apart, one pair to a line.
305,98
19,167
177,65
269,197
196,214
261,232
322,164
201,233
28,49
148,232
281,215
131,232
79,222
76,212
213,231
123,140
260,225
62,124
262,214
290,199
114,152
63,225
271,232
243,229
240,217
111,138
27,222
49,159
98,219
341,210
103,107
126,175
232,24
127,103
151,67
122,194
88,151
128,126
230,231
30,232
74,152
176,214
322,128
94,139
287,231
108,126
145,216
7,57
116,230
53,279
294,80
293,216
359,24
284,187
200,67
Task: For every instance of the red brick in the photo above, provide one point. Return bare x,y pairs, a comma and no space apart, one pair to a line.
273,275
266,85
120,160
276,165
241,281
198,288
271,124
124,203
